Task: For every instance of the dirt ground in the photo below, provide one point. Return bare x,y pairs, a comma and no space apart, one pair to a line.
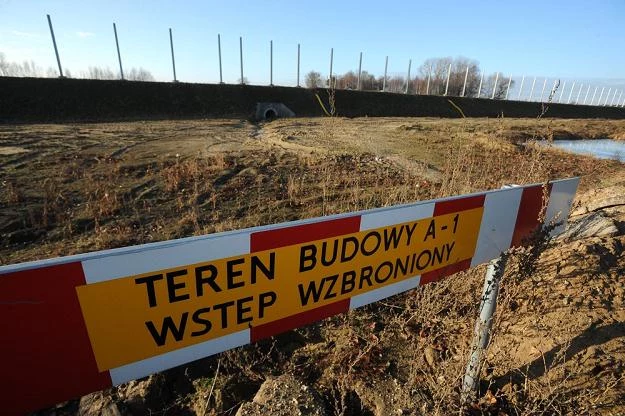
559,344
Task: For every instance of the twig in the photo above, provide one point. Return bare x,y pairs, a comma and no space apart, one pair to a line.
210,393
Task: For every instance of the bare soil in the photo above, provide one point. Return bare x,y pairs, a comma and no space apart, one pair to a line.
559,344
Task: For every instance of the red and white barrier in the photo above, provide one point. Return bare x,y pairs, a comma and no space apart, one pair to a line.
78,324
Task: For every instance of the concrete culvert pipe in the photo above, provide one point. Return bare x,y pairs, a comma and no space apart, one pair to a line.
272,111
270,114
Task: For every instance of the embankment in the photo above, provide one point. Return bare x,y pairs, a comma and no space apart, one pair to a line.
26,100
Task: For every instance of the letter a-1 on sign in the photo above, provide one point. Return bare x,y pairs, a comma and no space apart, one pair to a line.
78,324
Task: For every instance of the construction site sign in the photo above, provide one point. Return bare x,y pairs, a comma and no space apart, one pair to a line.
78,324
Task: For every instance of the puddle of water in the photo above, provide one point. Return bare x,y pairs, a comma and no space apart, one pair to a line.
11,150
602,149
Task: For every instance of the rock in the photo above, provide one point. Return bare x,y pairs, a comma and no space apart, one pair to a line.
430,356
596,224
97,404
284,396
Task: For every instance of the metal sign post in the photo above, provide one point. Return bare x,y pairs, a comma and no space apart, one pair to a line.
508,88
581,86
483,326
241,58
173,59
221,78
56,51
607,96
385,72
592,100
542,93
562,92
464,86
298,65
447,83
586,96
359,71
494,87
521,89
119,56
408,79
271,63
331,62
532,90
600,96
568,101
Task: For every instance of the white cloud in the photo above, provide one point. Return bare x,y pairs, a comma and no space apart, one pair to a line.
85,34
24,34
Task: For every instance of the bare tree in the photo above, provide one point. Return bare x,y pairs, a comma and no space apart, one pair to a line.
14,69
140,74
313,80
396,83
95,72
438,68
489,84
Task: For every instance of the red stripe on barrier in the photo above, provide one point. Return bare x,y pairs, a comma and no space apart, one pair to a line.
281,237
459,204
436,275
45,352
527,218
295,321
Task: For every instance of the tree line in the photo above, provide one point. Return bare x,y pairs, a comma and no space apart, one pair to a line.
431,78
31,69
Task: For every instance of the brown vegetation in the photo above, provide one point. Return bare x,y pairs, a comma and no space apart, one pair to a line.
557,347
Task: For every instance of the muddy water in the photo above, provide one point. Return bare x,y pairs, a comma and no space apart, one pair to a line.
602,149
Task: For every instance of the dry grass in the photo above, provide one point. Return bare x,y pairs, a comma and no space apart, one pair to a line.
407,352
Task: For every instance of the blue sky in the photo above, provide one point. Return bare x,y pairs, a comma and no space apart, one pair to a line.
567,39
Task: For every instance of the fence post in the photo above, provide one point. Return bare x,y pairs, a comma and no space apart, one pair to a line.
427,87
221,79
119,56
562,92
331,62
271,63
298,64
586,96
464,86
241,58
385,69
508,87
607,97
532,90
173,60
359,71
579,93
479,89
495,86
483,326
613,97
600,96
552,94
408,79
447,83
56,51
521,89
568,101
542,93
